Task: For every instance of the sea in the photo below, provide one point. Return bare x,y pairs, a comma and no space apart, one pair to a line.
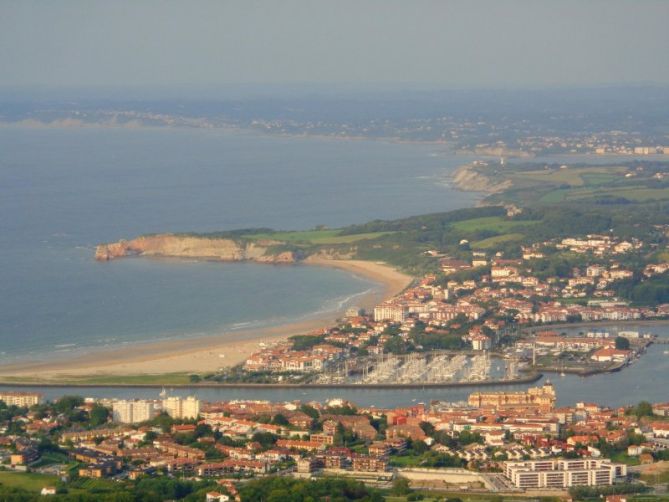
64,190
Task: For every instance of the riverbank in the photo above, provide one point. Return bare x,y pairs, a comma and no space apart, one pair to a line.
203,354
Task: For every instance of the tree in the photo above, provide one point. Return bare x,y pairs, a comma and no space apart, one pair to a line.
280,419
309,410
68,403
622,343
643,409
400,487
266,439
99,415
427,427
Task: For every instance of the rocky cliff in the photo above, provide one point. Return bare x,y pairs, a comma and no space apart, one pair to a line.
186,246
467,178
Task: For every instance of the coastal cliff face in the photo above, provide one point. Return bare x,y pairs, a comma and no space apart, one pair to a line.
183,246
468,179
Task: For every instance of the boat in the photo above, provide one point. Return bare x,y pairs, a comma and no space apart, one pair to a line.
666,352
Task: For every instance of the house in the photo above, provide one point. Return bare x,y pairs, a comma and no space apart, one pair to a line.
48,490
216,497
413,432
660,429
364,463
25,457
494,438
611,355
449,266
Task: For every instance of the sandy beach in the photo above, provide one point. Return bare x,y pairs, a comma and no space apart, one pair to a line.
206,354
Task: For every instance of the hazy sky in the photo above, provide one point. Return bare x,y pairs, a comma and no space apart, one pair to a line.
443,43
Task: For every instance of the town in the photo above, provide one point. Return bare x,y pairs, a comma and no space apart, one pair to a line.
446,327
497,442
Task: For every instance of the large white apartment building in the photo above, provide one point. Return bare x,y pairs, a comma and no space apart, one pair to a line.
563,473
22,399
389,311
178,407
134,411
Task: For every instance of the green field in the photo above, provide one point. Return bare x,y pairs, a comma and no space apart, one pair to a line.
492,223
316,237
573,176
491,242
26,480
633,193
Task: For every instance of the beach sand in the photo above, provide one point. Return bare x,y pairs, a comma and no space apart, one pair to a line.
206,354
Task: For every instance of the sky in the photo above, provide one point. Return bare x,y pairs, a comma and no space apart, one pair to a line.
444,43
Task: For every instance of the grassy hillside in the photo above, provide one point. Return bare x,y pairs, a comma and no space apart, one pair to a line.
555,201
547,184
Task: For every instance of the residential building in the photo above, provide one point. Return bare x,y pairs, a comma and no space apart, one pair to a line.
21,399
134,411
563,473
178,407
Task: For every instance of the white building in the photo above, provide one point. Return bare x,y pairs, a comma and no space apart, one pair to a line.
133,411
390,312
563,473
178,407
21,399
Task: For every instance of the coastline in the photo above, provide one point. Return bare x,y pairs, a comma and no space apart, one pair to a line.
204,354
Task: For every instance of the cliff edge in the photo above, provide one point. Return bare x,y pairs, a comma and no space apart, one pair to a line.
467,178
186,246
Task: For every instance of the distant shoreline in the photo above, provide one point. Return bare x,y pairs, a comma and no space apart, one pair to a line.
208,353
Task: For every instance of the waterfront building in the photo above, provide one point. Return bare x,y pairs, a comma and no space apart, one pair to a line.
178,407
21,399
563,473
537,397
133,411
389,311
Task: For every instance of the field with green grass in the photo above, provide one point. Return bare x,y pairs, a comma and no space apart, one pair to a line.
631,182
492,242
636,193
26,480
573,176
316,237
490,223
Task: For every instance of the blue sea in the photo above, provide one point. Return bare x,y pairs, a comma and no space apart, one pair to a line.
62,191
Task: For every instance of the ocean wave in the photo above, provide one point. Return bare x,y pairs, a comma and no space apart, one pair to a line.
339,303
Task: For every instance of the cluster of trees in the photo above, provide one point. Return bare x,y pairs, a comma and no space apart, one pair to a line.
597,492
651,291
419,339
306,342
283,489
643,409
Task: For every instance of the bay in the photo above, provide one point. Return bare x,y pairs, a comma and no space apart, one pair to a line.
62,191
